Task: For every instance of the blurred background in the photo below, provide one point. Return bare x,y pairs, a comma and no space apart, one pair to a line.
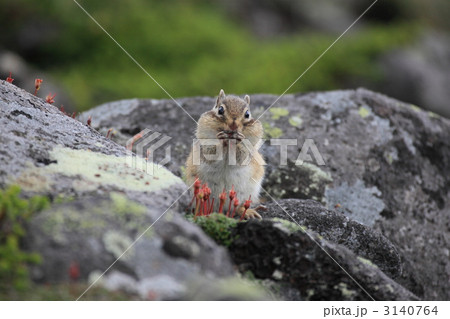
195,47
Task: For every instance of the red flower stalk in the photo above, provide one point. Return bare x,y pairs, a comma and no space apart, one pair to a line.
37,85
74,114
198,206
197,185
235,205
9,78
222,198
135,138
62,109
109,132
50,98
232,195
206,194
211,207
89,120
246,206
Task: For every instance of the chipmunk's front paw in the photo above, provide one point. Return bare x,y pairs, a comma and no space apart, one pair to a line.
251,213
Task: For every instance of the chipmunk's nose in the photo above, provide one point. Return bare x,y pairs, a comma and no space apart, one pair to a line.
233,126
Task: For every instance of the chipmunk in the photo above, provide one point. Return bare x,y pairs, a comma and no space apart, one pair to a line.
229,124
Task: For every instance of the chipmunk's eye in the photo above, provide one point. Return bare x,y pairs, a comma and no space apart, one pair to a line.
221,110
247,114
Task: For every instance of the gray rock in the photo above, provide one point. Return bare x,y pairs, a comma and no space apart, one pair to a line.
335,227
318,269
109,211
387,163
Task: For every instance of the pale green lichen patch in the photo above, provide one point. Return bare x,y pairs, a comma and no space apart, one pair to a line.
124,214
433,115
278,112
122,206
288,226
296,121
271,131
319,179
367,262
415,108
117,243
349,294
93,170
364,112
316,174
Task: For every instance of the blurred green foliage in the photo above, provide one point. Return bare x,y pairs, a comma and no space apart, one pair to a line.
14,212
191,48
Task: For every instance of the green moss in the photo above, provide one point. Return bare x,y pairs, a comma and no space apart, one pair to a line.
217,226
278,112
296,121
271,131
14,214
95,170
363,112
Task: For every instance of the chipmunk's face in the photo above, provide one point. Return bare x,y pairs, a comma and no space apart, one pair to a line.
230,118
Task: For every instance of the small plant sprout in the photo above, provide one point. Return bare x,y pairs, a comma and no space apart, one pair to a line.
246,206
197,186
198,204
50,98
204,202
74,271
235,205
135,138
9,78
89,120
74,114
206,195
231,195
109,134
37,85
222,198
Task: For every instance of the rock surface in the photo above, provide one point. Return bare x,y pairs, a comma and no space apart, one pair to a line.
387,165
318,269
105,204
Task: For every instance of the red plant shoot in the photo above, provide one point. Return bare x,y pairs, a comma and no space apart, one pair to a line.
232,195
235,205
246,206
9,78
50,98
197,185
222,198
74,271
37,85
89,120
198,204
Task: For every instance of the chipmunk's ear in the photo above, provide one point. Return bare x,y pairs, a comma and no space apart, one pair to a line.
220,97
247,99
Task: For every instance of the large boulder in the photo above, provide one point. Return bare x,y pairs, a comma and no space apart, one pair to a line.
387,166
292,256
105,211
